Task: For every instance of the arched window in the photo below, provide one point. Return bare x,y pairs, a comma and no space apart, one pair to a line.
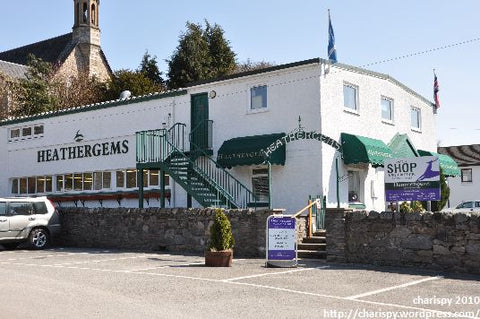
85,13
77,11
94,14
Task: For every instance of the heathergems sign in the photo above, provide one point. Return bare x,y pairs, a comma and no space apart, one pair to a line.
83,150
410,179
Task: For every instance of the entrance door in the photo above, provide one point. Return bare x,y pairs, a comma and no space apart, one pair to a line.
199,122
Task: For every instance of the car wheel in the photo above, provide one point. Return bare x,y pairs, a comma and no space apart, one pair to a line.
39,238
10,246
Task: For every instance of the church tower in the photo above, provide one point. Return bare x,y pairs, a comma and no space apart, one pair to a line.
85,27
86,36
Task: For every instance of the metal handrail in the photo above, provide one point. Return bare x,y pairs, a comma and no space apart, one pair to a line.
158,145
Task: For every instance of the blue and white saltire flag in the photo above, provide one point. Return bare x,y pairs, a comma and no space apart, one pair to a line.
332,51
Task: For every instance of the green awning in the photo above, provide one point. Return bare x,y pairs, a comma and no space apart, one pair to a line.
248,150
359,149
402,147
447,164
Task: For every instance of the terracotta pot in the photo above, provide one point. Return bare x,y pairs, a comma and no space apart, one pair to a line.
221,258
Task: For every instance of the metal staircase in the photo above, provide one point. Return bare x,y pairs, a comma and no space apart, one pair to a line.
193,169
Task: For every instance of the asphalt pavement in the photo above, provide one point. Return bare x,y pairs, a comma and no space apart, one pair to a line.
95,283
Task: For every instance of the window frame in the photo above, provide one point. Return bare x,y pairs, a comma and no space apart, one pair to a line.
356,98
391,106
259,173
462,175
264,99
418,111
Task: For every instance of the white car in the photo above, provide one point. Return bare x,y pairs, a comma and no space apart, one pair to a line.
32,219
468,206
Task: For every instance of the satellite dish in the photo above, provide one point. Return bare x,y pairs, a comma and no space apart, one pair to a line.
125,95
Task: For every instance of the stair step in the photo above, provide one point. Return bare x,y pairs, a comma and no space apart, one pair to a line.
314,254
314,240
320,233
312,246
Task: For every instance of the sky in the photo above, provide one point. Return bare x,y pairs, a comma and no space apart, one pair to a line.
281,31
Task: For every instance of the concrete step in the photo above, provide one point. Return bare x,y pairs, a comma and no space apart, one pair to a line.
313,254
314,239
312,246
320,233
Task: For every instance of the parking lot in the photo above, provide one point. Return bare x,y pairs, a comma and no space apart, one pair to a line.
93,283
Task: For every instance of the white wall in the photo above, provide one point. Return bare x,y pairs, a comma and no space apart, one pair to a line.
367,121
462,191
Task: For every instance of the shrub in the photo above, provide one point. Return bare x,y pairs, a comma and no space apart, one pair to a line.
221,237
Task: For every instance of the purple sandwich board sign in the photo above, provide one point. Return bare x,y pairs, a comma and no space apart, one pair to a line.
281,241
410,179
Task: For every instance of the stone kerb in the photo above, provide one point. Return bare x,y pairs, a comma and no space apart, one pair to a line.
438,240
175,230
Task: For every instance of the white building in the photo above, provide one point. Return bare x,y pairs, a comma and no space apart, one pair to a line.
299,114
466,186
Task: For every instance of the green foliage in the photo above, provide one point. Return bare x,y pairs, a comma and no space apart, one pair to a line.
134,81
33,93
405,208
221,237
252,66
444,194
417,207
149,68
201,54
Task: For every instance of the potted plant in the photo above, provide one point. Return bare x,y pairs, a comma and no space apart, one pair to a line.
220,247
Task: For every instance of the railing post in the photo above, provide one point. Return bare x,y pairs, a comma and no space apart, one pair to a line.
140,187
162,188
309,218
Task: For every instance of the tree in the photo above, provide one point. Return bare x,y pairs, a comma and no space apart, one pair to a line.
252,66
33,93
222,57
136,82
444,194
201,54
76,91
149,68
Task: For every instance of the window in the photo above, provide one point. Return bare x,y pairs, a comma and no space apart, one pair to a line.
3,207
21,208
415,118
77,181
258,98
23,185
387,109
350,96
15,133
154,178
38,130
27,132
354,186
59,185
15,186
131,178
31,185
120,179
260,185
466,175
87,181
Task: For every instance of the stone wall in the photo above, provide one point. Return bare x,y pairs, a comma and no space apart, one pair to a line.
442,241
175,230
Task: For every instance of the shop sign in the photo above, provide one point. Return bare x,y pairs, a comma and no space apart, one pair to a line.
82,151
281,240
410,179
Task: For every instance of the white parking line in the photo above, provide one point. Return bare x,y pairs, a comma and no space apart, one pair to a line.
274,273
412,283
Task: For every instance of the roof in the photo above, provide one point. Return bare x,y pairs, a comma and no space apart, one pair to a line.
464,155
13,70
51,50
233,76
